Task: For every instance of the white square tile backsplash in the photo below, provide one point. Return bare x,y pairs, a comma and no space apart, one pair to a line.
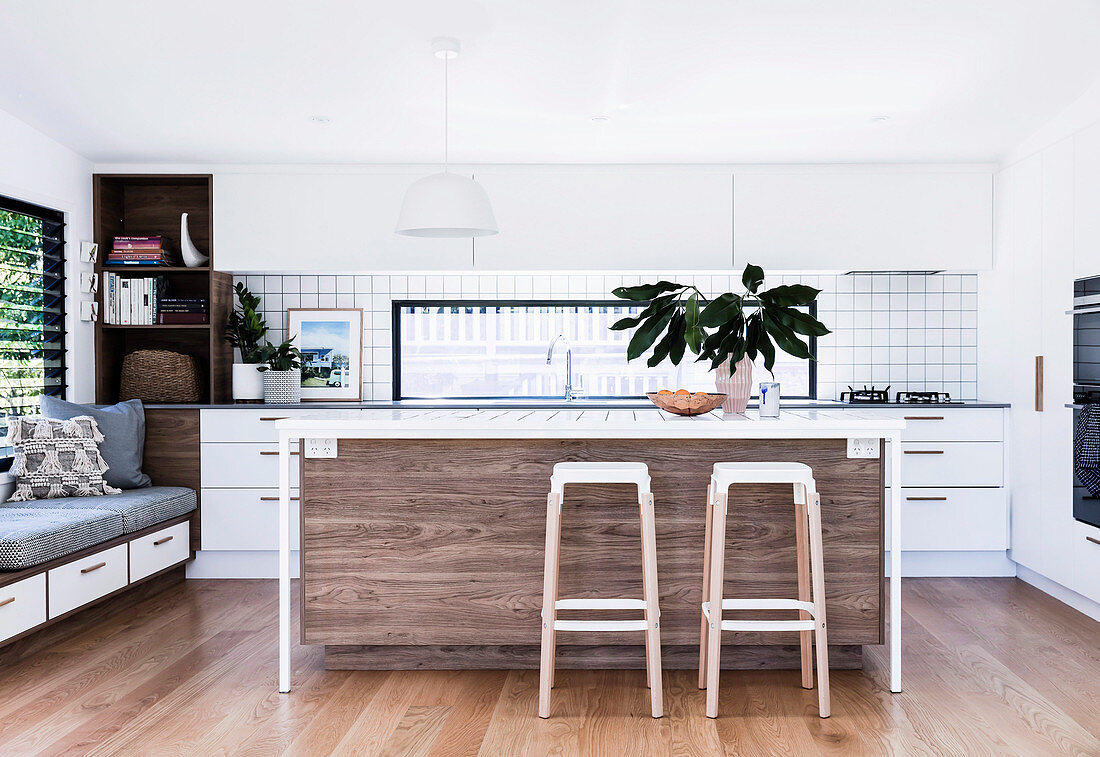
914,332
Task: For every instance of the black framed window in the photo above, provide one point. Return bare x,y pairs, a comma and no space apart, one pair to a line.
496,349
32,309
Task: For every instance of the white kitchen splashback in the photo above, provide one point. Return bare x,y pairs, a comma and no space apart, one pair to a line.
912,332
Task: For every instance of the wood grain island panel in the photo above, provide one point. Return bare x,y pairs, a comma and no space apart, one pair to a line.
438,543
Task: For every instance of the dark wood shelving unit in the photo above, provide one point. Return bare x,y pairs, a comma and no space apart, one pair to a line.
149,204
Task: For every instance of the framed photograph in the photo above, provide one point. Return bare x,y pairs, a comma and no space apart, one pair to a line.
331,342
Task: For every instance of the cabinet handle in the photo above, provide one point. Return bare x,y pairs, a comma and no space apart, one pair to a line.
276,499
926,499
165,540
924,417
90,568
269,452
7,601
1038,383
923,451
279,418
1093,539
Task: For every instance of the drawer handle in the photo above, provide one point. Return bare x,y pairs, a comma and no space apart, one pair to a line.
926,499
165,540
276,499
924,417
279,418
7,601
90,568
1093,539
269,452
923,451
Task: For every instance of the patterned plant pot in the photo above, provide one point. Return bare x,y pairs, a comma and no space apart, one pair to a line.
283,387
736,385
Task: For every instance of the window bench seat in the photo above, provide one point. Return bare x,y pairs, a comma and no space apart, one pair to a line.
58,556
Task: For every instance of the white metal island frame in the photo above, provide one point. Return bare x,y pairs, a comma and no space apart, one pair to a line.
484,423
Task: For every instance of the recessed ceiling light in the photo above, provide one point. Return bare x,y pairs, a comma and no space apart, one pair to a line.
880,119
600,119
321,120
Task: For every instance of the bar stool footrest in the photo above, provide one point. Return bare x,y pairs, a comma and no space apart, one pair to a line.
601,625
762,604
768,625
600,604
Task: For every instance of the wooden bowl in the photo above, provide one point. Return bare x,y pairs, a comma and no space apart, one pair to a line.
687,404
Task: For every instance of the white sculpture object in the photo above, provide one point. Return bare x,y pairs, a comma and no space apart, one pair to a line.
192,258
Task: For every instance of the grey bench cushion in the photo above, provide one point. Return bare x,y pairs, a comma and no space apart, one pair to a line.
139,508
33,535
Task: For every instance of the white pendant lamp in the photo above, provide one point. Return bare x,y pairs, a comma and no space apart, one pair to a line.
446,204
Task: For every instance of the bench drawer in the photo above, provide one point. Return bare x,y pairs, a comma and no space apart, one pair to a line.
22,605
86,579
245,519
244,466
938,519
243,425
158,550
949,464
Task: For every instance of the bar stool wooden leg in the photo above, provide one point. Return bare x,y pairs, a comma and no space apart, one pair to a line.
549,600
817,571
652,611
805,638
703,595
717,572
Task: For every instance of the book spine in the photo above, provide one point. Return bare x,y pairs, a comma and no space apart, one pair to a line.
134,255
157,261
182,318
124,302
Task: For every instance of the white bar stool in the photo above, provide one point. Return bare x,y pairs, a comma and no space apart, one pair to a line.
600,473
811,599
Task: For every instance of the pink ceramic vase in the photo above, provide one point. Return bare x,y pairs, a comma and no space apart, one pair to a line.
737,386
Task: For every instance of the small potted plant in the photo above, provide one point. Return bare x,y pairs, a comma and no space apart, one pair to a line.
245,329
282,373
729,331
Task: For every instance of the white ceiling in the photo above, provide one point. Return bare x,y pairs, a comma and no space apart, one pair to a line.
739,81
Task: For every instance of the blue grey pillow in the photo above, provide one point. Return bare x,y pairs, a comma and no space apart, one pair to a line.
123,429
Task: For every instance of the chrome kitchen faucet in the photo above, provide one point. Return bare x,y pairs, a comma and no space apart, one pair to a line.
569,394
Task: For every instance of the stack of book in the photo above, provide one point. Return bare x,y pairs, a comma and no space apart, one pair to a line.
181,310
130,301
138,251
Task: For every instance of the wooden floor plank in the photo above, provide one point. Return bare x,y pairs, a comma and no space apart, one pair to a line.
992,666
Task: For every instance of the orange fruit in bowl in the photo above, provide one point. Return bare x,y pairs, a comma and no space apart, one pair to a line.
682,391
665,391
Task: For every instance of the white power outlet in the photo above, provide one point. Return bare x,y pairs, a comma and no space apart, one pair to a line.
863,448
320,448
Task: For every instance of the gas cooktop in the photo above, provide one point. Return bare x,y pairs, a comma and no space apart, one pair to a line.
873,396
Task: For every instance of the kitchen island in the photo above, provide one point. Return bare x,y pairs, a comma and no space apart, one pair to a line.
422,539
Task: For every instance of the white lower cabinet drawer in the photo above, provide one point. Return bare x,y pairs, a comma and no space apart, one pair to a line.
947,520
1086,552
245,519
241,425
951,464
933,424
22,605
244,465
158,550
86,579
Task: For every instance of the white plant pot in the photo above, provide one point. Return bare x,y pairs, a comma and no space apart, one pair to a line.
248,381
283,387
736,385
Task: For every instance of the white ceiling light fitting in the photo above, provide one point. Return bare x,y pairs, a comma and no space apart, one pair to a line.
446,204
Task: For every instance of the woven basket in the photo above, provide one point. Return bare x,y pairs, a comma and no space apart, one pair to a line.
160,376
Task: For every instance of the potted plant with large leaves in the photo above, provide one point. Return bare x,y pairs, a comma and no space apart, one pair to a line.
282,373
245,329
730,330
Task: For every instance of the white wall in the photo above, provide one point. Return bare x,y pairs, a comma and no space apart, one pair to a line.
37,169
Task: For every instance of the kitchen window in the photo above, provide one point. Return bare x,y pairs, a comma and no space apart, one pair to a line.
32,310
496,349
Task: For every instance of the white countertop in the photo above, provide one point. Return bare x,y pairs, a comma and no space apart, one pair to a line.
649,423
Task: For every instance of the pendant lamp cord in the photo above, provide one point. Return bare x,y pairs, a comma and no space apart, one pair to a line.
446,114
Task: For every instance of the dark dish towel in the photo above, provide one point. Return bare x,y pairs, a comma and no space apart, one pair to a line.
1086,448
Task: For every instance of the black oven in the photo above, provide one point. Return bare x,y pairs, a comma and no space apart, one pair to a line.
1086,382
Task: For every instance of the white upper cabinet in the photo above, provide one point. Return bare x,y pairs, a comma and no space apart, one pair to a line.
321,222
864,220
1087,203
608,218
